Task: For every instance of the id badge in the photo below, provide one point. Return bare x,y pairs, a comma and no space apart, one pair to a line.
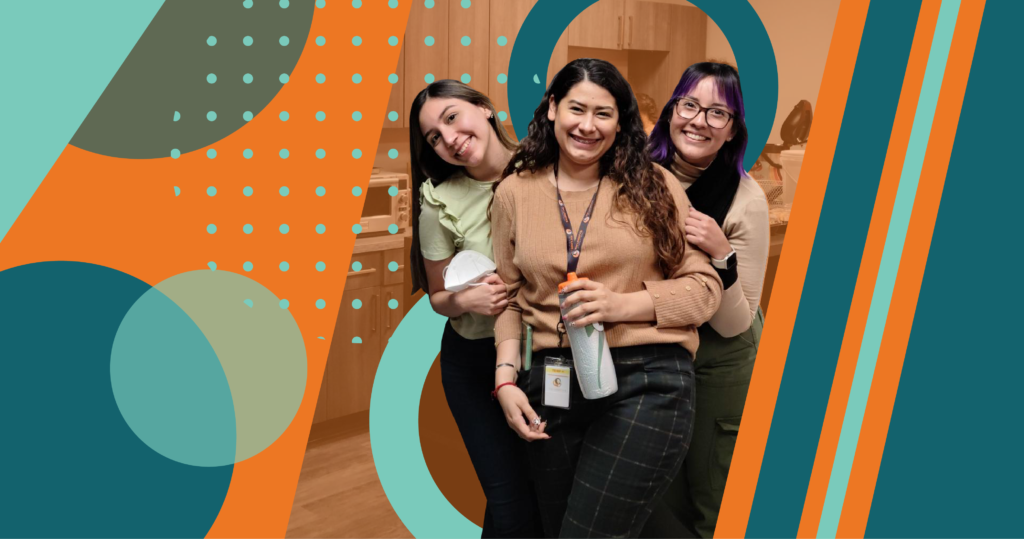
557,380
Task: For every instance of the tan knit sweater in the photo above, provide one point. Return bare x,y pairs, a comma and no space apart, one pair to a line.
529,250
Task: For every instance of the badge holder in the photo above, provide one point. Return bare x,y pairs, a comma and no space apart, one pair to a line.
557,381
526,346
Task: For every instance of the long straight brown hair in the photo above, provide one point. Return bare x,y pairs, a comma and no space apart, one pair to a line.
427,166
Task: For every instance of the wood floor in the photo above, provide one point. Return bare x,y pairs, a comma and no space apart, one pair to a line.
339,494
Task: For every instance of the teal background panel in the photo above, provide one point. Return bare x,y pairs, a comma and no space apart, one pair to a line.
952,465
833,268
70,465
57,60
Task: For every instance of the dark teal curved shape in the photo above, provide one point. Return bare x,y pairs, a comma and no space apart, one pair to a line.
748,38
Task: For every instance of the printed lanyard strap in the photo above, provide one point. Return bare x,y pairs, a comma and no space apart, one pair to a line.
573,244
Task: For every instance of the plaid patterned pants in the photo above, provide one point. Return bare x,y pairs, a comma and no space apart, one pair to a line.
609,460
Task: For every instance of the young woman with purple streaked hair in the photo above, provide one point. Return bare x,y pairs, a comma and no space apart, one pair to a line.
701,137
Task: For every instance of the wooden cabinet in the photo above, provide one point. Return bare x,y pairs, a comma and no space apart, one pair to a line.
397,101
391,301
468,39
426,48
600,26
639,25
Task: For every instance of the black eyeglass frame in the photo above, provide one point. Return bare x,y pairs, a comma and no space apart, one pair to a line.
700,109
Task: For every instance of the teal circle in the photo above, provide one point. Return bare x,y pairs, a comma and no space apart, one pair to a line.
320,229
175,153
283,153
392,41
283,303
247,266
247,191
211,78
393,266
321,116
465,78
429,78
284,41
357,153
247,116
211,153
247,4
392,4
502,78
393,116
392,78
211,228
320,266
283,228
211,116
283,116
283,190
320,40
393,153
393,190
320,78
283,266
320,154
283,78
429,4
392,303
320,191
466,4
357,266
356,116
357,3
320,304
211,191
356,191
357,41
502,116
247,153
502,41
357,228
247,41
284,4
247,78
211,41
357,304
466,41
357,78
321,3
428,41
393,228
247,228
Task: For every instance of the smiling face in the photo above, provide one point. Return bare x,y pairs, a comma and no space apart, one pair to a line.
457,130
585,122
694,139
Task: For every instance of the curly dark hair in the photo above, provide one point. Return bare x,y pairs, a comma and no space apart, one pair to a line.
640,189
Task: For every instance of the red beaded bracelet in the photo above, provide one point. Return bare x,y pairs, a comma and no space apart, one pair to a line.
494,394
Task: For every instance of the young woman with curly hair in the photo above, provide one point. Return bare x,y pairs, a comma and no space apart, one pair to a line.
599,465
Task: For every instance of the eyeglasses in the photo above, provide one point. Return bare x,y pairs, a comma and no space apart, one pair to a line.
715,117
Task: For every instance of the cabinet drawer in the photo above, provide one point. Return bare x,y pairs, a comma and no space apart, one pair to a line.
370,274
398,257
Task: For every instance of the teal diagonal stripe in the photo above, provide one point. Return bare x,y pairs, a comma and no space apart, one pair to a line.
885,282
56,62
832,271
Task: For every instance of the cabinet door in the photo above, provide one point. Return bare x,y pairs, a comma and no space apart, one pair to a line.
654,26
599,26
422,59
351,365
507,17
397,102
391,316
468,39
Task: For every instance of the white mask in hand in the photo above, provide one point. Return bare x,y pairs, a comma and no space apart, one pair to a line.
465,269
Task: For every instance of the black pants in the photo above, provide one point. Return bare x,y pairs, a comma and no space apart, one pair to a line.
498,454
609,460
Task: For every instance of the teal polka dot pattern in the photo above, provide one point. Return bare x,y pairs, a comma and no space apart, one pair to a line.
393,153
321,3
502,78
356,116
320,266
502,41
320,40
429,4
393,191
320,78
283,303
247,191
429,78
247,266
175,153
284,41
284,4
393,266
211,41
356,191
357,228
393,41
247,153
357,304
211,78
283,266
502,115
357,78
392,4
211,191
177,115
321,116
283,78
357,266
283,116
357,41
320,154
283,191
466,41
428,41
392,78
357,153
357,3
211,228
247,229
283,153
247,4
392,304
211,153
320,229
466,4
357,340
247,78
393,228
393,116
211,116
320,191
247,41
283,228
247,116
465,78
320,304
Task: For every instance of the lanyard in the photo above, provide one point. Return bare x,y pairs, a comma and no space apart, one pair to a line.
574,243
